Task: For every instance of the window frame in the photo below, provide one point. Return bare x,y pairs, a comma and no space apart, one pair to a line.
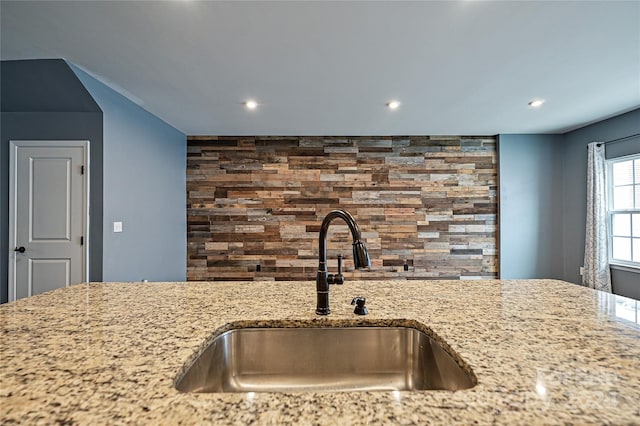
611,211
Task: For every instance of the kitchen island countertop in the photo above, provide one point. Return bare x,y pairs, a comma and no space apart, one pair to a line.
544,352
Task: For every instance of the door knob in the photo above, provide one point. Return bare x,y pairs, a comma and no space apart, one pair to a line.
20,249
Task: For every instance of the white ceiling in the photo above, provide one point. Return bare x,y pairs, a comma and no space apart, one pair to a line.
328,68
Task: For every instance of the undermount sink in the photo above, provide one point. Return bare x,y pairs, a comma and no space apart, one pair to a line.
324,359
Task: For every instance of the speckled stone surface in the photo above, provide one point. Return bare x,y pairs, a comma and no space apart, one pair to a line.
544,352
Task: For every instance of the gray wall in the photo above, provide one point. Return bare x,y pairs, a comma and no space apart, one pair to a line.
530,172
144,187
543,201
574,178
43,100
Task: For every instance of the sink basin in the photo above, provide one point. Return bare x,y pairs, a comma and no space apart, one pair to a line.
324,359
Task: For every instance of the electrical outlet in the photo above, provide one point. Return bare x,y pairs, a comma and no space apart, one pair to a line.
117,226
582,271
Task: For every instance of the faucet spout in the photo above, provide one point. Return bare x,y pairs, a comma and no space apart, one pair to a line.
360,256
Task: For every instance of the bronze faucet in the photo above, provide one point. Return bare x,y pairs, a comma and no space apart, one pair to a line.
360,256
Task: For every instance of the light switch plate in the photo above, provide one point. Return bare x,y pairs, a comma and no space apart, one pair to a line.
117,226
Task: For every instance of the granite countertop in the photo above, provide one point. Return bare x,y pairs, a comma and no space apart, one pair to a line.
543,351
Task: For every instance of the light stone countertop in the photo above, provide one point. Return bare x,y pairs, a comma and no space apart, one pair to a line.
544,352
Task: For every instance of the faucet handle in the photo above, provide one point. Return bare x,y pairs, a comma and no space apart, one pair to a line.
360,309
339,278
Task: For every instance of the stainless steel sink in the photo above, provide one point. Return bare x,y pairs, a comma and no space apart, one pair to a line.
324,359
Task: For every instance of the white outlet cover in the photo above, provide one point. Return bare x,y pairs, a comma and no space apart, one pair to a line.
117,226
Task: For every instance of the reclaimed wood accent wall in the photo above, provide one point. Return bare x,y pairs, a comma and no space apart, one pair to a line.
426,205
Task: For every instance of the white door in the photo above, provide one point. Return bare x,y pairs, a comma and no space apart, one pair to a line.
48,215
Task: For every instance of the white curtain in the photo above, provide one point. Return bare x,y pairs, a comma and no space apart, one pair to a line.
596,257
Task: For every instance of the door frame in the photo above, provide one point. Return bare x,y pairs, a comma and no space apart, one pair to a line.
13,169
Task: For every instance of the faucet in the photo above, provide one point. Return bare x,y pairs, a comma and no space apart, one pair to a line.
360,256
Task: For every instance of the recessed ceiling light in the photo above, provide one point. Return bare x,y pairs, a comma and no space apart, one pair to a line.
251,104
393,104
536,103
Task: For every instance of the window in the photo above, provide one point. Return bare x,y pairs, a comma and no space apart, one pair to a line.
624,210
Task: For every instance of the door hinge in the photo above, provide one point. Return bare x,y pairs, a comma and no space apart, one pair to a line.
82,240
81,170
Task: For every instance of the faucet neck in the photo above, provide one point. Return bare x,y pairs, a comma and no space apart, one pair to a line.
324,228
